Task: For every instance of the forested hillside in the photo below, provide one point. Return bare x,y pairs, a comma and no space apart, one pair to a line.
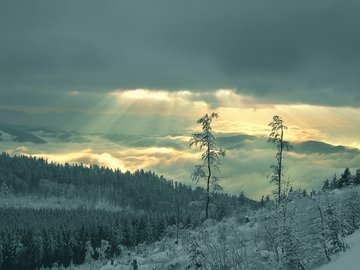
303,233
21,175
147,206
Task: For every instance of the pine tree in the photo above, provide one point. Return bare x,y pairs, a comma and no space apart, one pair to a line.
350,212
196,255
277,137
334,229
262,202
291,260
345,178
356,178
210,159
326,185
103,250
89,252
17,249
1,252
51,246
334,183
38,244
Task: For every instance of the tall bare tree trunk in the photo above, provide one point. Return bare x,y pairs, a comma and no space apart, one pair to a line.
280,164
208,181
177,221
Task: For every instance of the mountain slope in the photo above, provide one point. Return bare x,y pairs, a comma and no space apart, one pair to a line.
21,175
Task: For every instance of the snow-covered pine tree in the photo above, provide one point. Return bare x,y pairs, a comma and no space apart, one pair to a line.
89,252
322,226
117,239
310,231
350,212
103,250
220,251
277,137
267,239
290,258
334,229
210,158
197,257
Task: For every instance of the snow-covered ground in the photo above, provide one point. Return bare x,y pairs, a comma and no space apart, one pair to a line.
350,260
234,244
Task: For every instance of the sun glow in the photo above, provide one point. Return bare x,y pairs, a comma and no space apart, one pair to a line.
86,157
140,94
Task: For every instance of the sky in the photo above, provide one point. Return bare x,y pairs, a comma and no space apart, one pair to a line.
122,83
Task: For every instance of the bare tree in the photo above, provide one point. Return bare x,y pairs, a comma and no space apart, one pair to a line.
210,158
277,137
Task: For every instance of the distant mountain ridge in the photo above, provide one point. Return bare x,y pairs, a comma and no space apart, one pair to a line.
18,135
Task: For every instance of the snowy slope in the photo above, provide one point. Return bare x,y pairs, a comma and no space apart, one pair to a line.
350,260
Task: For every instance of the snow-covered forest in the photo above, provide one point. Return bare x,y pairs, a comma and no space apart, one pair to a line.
95,204
58,216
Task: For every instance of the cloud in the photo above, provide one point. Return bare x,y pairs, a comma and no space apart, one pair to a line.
144,141
246,166
282,51
86,157
17,134
163,112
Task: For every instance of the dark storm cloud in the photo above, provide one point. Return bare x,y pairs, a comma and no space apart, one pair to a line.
288,51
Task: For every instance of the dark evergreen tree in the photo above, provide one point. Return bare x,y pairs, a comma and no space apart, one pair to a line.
356,179
345,179
326,185
334,182
1,252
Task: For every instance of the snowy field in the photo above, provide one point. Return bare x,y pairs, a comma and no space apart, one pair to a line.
350,260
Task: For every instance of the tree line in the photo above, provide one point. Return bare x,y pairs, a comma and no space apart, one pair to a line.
30,239
141,190
346,179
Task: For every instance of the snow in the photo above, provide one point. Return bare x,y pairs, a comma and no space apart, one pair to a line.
350,260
